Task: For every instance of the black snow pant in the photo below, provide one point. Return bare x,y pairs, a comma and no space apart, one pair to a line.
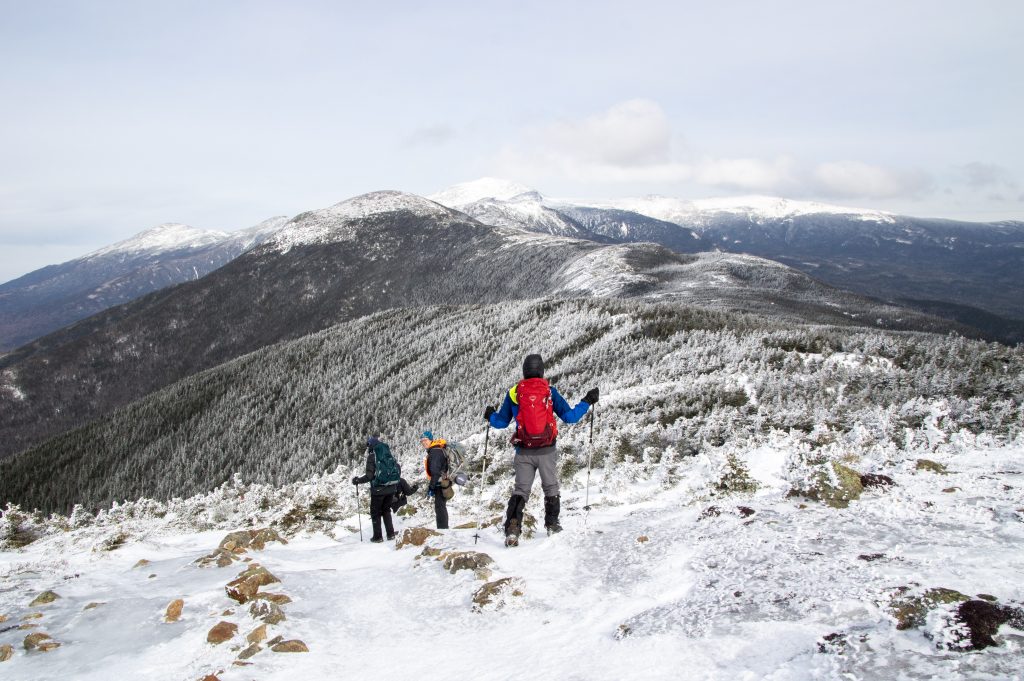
380,509
440,509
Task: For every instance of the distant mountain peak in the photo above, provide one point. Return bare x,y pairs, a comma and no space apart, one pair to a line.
339,222
169,236
756,207
465,193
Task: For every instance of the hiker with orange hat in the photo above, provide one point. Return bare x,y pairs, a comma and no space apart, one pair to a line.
438,484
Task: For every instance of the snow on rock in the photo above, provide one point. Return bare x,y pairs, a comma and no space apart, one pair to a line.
466,193
340,222
689,212
170,236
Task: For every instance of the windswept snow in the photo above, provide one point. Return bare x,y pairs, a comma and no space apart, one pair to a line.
683,211
170,236
465,193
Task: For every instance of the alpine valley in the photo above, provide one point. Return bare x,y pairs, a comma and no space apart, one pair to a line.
806,461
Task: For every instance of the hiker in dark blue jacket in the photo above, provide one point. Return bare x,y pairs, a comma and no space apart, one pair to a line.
535,442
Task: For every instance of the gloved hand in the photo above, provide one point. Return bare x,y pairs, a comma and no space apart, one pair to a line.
591,396
355,479
488,411
430,492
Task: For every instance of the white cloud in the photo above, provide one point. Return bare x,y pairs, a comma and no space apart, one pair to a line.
749,174
856,179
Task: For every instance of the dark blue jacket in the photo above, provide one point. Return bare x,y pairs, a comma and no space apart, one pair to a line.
509,410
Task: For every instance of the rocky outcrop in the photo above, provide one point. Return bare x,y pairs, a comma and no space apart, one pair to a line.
40,641
237,543
221,632
495,595
6,652
243,588
257,635
280,599
44,598
931,466
832,484
267,612
911,611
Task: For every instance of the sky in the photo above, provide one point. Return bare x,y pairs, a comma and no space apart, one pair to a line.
119,116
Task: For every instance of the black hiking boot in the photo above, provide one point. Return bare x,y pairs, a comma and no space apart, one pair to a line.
512,530
391,537
376,540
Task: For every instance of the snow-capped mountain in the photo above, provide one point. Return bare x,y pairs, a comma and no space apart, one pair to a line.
465,193
374,252
969,272
53,297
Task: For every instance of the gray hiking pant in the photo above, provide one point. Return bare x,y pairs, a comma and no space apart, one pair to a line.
526,464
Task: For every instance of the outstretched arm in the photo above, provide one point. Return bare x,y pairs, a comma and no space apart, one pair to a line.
564,411
504,416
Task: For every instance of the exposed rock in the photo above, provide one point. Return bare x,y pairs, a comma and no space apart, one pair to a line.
642,539
280,599
227,613
932,466
90,606
834,643
245,586
876,480
239,663
987,597
257,635
221,632
911,611
32,616
416,536
710,512
745,511
220,558
173,613
234,540
407,511
210,677
274,641
494,595
869,557
43,599
294,646
260,538
32,641
142,563
47,646
834,484
6,652
3,618
466,560
982,620
250,651
466,526
950,490
429,552
266,611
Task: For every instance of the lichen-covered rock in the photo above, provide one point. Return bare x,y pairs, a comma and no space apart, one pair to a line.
243,588
262,537
173,613
834,484
931,466
293,646
911,611
220,558
43,599
221,632
6,652
495,595
416,536
47,646
268,612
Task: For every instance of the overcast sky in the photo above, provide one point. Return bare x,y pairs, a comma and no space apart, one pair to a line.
118,116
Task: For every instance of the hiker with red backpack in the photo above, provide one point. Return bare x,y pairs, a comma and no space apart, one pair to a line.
534,403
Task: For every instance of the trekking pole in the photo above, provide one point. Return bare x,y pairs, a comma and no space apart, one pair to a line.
483,481
359,517
590,457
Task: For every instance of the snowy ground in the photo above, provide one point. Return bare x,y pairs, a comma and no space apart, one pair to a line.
705,596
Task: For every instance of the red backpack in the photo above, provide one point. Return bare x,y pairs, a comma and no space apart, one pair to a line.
535,421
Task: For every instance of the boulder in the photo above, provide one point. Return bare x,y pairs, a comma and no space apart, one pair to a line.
642,539
931,466
43,599
221,632
267,612
6,652
982,620
32,616
236,540
47,646
494,595
466,560
911,611
220,558
250,651
90,606
32,641
3,618
173,613
294,646
280,599
142,563
260,538
257,635
416,536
